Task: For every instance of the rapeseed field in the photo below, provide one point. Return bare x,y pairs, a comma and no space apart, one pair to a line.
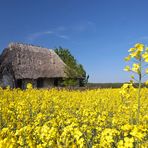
100,118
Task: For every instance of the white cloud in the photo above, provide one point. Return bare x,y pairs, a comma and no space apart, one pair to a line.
62,31
36,35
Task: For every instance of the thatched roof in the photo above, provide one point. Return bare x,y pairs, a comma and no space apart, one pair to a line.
28,61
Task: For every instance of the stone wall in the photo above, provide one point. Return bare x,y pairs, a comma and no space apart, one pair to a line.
7,80
26,81
47,83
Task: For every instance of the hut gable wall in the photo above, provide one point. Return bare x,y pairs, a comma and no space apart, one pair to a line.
48,83
38,83
7,80
26,81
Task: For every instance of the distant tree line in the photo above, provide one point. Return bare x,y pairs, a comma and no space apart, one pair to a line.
110,85
104,85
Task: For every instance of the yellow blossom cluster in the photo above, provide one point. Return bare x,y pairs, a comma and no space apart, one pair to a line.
140,54
100,118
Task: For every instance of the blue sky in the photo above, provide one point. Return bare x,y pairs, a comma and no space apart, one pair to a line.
97,32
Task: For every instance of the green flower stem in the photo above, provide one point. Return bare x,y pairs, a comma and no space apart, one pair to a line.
139,90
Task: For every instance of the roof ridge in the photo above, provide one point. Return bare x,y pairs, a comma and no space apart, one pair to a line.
26,44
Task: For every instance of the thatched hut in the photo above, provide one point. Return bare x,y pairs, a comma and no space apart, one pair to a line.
21,64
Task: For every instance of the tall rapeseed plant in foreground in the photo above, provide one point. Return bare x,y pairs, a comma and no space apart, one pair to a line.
139,56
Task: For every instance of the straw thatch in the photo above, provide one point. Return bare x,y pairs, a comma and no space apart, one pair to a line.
31,62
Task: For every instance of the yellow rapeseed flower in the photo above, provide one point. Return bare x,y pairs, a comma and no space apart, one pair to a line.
135,67
131,49
146,70
127,68
72,118
127,58
139,46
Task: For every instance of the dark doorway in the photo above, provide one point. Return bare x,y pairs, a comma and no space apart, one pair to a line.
55,82
40,83
18,83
